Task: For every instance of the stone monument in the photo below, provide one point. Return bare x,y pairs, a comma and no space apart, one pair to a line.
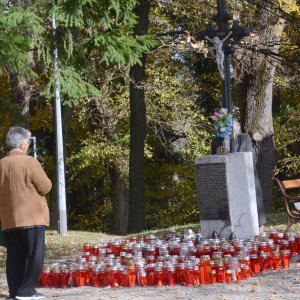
226,195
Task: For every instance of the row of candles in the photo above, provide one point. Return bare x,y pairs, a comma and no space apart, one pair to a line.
187,259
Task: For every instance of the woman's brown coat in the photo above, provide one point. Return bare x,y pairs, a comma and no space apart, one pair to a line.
23,186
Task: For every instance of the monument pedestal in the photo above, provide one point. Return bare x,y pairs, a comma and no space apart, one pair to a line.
226,195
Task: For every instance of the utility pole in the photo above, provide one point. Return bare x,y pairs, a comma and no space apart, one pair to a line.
237,33
60,165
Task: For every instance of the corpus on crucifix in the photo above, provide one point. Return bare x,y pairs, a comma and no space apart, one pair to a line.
218,43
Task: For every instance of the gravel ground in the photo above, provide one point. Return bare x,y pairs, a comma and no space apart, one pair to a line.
270,285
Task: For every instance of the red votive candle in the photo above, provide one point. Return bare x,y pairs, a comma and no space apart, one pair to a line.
213,277
46,278
254,264
228,276
293,245
189,275
95,250
124,281
273,234
64,278
180,276
150,274
275,261
113,277
246,273
131,276
263,262
158,276
197,275
80,275
142,277
285,259
55,277
94,279
205,268
238,274
87,247
220,272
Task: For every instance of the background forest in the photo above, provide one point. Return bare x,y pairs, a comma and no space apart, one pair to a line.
137,89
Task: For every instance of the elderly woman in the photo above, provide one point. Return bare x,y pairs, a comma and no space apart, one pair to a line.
242,143
24,214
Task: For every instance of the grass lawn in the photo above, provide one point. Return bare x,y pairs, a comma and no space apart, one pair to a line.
59,248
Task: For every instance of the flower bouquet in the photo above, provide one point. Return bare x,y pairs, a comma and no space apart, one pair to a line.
223,126
222,123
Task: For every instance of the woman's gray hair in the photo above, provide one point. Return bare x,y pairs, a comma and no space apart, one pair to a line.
16,136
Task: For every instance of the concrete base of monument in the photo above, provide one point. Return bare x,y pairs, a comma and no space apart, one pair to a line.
226,195
223,228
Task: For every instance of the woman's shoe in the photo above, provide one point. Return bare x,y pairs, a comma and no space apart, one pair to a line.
34,297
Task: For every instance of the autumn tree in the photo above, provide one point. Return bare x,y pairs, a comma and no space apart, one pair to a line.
109,41
136,218
255,69
21,34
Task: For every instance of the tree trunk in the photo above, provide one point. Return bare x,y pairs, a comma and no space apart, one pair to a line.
255,95
119,199
67,114
21,94
136,219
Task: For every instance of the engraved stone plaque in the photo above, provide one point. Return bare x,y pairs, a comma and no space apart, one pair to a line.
212,191
226,195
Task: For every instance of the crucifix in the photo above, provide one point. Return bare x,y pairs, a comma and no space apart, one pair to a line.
218,43
222,38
